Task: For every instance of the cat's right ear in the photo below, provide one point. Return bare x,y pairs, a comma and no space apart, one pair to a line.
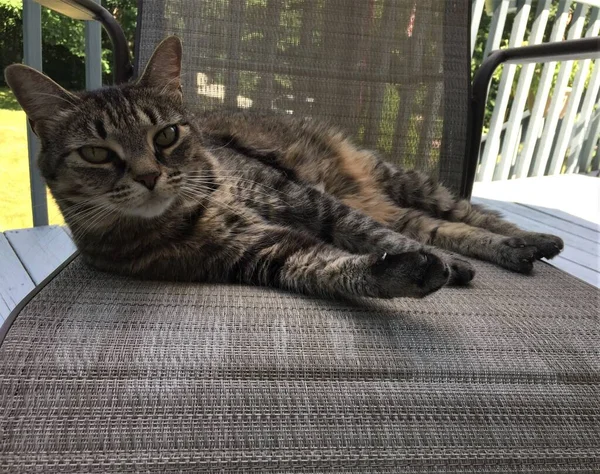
163,70
40,97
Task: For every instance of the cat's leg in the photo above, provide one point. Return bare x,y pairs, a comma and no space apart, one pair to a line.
334,222
512,253
547,245
354,231
413,189
292,260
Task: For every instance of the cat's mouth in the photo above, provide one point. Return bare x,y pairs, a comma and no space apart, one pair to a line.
152,207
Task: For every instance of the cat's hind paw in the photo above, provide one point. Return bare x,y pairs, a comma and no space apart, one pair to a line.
461,271
546,245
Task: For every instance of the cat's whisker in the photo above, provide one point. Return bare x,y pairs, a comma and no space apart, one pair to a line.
254,183
73,214
210,199
239,176
276,193
194,199
272,198
102,214
80,213
78,218
219,147
268,197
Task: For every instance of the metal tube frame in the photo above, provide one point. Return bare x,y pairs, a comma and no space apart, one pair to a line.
558,51
89,10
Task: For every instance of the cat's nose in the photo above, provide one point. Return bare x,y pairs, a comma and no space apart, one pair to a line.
148,179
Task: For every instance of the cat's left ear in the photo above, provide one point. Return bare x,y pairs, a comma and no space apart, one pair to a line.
41,98
164,68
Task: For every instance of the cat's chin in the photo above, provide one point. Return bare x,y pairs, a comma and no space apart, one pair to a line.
152,208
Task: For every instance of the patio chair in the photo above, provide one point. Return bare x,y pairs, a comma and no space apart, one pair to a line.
100,373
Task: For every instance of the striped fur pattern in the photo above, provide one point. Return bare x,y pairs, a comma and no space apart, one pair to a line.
150,190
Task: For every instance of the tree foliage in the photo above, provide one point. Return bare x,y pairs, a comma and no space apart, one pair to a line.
63,40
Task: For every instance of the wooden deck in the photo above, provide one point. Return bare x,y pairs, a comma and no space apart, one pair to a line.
564,205
29,255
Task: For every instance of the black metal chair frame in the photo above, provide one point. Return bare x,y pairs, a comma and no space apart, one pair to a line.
558,51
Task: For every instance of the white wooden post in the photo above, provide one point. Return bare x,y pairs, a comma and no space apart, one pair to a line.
556,106
536,118
476,12
575,158
93,54
566,128
492,144
517,109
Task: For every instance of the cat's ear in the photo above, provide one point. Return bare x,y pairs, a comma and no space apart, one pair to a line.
40,97
164,68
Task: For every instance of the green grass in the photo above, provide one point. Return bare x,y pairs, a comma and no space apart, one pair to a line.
15,198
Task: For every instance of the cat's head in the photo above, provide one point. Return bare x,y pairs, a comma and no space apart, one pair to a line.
123,150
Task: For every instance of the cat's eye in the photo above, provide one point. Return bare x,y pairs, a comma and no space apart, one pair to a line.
95,154
166,137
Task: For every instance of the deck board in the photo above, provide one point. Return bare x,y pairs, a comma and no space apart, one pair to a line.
564,216
581,256
552,219
15,282
572,194
41,249
575,237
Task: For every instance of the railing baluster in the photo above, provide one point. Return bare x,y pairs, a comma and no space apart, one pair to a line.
578,87
476,12
517,108
585,118
544,85
593,137
492,144
32,46
496,27
556,106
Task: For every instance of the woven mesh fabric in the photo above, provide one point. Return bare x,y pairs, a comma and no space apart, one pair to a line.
393,73
103,374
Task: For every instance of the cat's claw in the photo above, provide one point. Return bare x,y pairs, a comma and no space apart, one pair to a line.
411,274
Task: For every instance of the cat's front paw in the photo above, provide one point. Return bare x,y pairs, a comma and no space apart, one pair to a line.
413,274
546,245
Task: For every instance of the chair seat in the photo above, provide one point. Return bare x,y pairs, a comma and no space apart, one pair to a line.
100,373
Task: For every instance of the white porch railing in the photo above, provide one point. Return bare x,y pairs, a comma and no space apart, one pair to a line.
555,127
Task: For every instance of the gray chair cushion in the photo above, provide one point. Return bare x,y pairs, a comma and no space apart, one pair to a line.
102,374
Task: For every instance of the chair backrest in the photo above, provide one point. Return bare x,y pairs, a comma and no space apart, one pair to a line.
393,73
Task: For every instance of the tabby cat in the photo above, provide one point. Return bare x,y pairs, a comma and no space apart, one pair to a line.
150,190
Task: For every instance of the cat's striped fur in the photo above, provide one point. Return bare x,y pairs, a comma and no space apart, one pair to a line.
250,198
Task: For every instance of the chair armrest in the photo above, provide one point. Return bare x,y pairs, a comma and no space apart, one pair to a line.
89,10
557,51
